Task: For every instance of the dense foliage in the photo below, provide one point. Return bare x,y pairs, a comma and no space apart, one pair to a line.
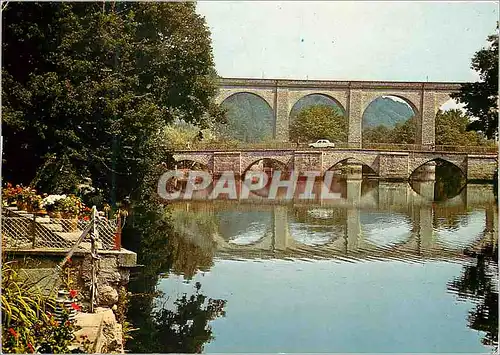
451,129
28,325
315,100
401,133
481,98
88,87
319,122
248,119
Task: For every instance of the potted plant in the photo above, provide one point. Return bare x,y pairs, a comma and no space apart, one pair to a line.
10,194
50,204
22,197
70,208
33,201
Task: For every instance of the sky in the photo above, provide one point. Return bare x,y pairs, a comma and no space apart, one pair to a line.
341,40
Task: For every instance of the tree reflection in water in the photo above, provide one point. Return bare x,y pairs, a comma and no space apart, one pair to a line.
184,329
477,283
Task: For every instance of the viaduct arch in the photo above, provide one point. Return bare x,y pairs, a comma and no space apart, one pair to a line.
353,96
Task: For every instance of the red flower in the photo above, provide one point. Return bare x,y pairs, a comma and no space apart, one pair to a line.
76,307
13,333
69,260
31,347
73,293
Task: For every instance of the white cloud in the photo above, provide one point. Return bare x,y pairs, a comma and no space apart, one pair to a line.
452,104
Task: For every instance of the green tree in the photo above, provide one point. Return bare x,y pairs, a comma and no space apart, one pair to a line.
404,133
378,134
481,98
88,88
248,119
186,329
451,129
319,122
401,133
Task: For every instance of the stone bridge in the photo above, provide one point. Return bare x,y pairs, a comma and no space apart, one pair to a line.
353,97
386,164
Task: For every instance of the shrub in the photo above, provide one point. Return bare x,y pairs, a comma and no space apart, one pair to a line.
28,325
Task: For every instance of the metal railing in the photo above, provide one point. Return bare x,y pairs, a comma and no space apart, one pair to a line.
24,230
237,146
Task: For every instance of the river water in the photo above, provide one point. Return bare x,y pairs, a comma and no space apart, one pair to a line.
382,267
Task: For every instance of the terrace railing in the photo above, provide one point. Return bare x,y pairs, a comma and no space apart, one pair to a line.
24,230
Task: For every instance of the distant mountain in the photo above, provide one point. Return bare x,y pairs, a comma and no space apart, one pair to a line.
387,112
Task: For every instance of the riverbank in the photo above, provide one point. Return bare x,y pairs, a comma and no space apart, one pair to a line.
71,265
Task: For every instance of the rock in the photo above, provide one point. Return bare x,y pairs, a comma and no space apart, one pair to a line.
113,334
108,296
104,333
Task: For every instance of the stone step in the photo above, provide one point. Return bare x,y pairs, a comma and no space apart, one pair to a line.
44,220
54,227
70,236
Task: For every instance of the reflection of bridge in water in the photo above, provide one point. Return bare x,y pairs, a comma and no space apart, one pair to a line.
391,221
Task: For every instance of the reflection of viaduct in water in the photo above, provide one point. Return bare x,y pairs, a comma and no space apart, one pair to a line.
350,240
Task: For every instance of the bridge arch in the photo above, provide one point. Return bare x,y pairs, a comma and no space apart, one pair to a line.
368,161
203,160
422,161
410,98
315,227
247,163
262,94
249,230
315,99
383,112
250,117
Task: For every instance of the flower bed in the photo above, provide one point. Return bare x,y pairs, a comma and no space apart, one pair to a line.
57,206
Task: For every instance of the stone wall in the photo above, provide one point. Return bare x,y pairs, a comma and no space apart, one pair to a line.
227,161
481,167
113,272
307,161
